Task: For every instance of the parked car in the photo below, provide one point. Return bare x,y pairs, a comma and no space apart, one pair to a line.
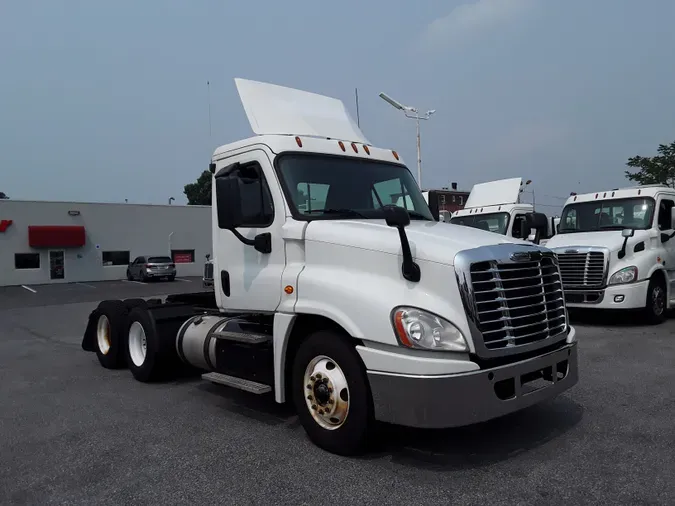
207,278
144,268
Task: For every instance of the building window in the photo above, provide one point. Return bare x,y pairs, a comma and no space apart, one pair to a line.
27,260
115,258
461,200
183,256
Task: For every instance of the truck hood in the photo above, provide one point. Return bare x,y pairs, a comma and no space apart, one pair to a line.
611,239
429,240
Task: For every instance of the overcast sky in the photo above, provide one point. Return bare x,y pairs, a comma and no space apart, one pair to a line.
102,101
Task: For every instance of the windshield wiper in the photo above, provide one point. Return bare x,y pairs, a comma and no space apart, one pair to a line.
344,212
612,227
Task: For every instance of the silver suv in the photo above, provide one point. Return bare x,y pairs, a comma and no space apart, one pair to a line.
144,268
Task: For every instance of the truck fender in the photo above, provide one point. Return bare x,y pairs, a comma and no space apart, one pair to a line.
659,270
90,331
282,328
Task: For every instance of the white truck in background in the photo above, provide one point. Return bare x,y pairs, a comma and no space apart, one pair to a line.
616,250
495,206
431,198
354,310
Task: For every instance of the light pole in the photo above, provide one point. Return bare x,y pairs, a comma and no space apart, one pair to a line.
411,112
527,183
171,199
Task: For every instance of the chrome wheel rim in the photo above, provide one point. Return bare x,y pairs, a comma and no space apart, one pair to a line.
326,392
103,334
138,344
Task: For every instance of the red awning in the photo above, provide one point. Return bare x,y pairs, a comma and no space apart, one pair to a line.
55,236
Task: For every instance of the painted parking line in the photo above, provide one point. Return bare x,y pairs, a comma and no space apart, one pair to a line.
85,284
133,281
184,280
28,288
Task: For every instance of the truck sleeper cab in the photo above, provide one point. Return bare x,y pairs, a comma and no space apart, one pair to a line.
616,250
495,206
330,296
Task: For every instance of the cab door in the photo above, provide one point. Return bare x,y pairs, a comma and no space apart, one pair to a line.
665,226
244,278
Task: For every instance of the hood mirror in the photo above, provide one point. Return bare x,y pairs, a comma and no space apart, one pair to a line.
625,233
397,217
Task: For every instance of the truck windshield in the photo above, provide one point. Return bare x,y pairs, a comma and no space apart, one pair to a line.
492,222
617,214
335,187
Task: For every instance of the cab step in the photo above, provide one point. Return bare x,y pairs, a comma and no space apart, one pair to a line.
239,383
243,337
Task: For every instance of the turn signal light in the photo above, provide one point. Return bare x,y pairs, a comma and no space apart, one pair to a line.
395,154
356,150
342,145
298,142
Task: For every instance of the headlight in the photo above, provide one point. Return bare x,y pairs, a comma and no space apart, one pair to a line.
625,275
420,329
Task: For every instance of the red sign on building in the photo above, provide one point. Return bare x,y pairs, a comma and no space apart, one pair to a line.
4,225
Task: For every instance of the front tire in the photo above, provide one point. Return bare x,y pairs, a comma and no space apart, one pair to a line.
331,393
655,307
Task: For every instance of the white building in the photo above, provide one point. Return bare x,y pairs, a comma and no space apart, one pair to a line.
63,242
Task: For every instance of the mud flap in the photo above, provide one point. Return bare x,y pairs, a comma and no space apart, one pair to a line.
90,332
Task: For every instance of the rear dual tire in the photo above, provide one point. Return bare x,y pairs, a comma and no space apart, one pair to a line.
110,338
150,356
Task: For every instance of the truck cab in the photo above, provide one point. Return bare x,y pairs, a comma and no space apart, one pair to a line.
616,250
330,296
495,206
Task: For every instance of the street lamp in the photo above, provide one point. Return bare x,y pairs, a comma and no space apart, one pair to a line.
171,199
411,112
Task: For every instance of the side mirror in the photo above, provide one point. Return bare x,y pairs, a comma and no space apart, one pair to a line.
207,257
538,222
228,202
627,232
396,216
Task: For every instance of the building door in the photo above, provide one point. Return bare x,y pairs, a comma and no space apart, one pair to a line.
57,264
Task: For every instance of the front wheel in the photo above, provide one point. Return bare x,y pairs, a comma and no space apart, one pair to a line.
655,308
331,393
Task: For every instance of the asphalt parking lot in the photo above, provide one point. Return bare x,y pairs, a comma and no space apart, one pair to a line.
72,432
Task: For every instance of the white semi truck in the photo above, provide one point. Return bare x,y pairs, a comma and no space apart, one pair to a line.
496,206
616,250
354,310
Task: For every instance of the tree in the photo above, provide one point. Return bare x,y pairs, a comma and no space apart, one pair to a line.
658,169
3,195
199,192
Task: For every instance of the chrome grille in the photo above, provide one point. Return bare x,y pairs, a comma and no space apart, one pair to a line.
518,303
582,269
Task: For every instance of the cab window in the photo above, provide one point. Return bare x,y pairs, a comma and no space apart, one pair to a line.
665,213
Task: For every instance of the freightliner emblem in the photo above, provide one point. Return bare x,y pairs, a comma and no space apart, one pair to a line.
521,256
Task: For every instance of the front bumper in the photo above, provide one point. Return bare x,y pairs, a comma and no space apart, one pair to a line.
628,296
468,398
160,273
